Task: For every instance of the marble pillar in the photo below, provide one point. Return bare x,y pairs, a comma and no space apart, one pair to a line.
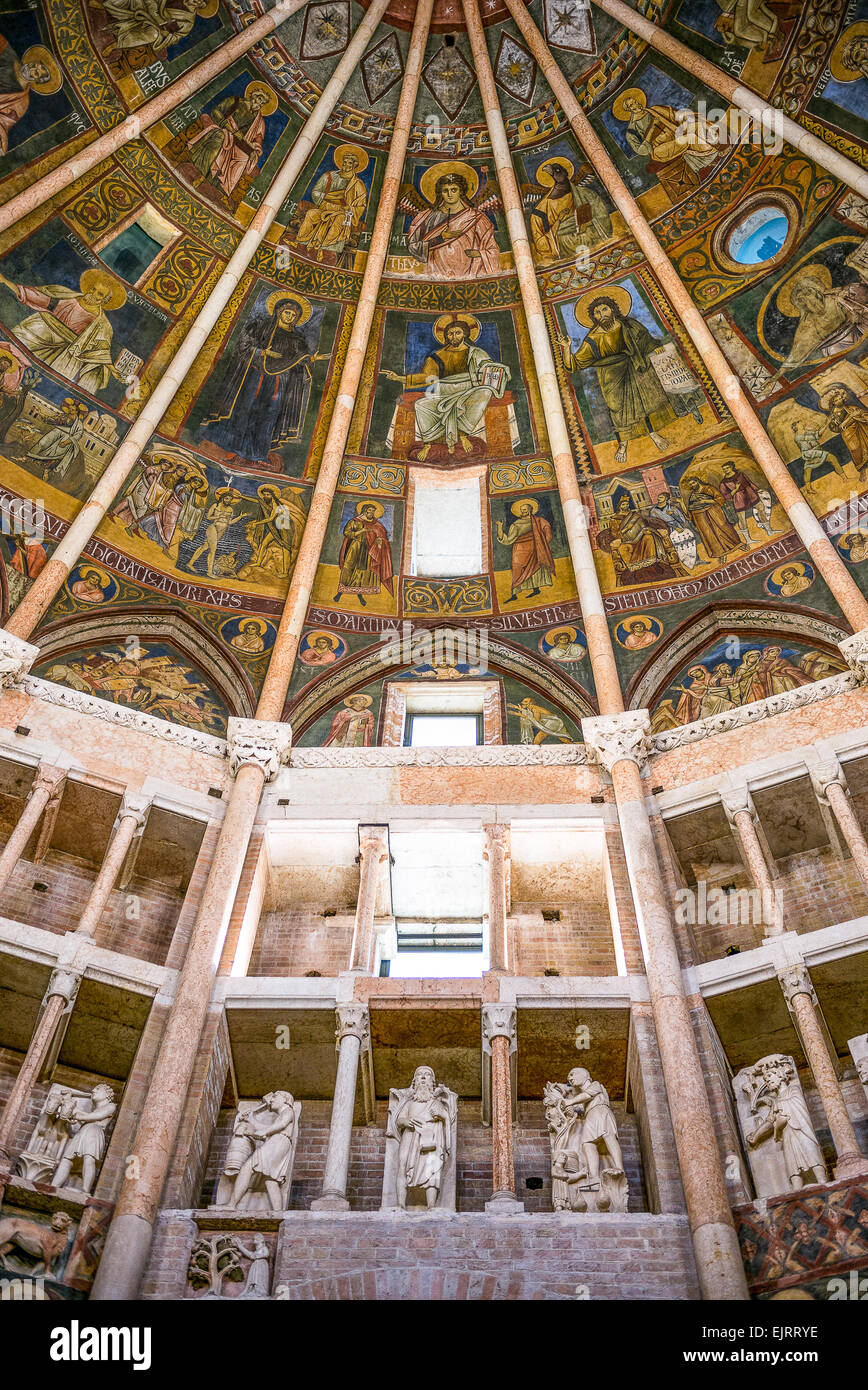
352,1034
499,1043
495,855
57,1001
48,783
130,822
830,784
373,859
739,809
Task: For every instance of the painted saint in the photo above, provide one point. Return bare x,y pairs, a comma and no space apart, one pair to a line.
536,723
829,318
748,23
848,417
223,512
339,200
451,235
459,380
57,453
16,379
91,585
562,644
641,549
262,401
69,330
249,637
156,24
637,633
565,215
365,558
352,726
618,349
678,143
275,535
529,541
228,145
36,72
706,508
321,649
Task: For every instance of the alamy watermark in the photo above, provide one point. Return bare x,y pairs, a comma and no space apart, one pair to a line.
437,647
728,906
22,516
704,126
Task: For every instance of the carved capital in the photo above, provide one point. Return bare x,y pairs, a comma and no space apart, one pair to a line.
823,775
50,779
264,742
134,808
16,658
373,840
64,985
498,1021
497,838
796,980
619,737
735,800
351,1021
855,652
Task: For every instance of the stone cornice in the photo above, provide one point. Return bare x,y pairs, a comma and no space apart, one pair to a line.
754,712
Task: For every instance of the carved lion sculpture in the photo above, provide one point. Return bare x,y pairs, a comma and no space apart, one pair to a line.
45,1242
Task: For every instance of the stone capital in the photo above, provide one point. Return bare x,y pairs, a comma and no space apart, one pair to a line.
373,839
16,658
351,1021
736,799
498,1021
619,738
795,979
855,652
134,807
263,742
63,984
496,837
49,778
823,775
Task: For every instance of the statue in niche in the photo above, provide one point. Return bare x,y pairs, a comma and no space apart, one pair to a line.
257,1172
70,1137
420,1144
587,1166
776,1126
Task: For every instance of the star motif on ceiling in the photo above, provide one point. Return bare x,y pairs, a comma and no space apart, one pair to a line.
381,67
326,29
568,24
515,69
449,78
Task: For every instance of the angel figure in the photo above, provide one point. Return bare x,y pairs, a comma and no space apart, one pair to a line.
451,235
565,214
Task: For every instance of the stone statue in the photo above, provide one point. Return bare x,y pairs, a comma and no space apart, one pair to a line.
257,1173
70,1137
217,1260
258,1273
20,1236
776,1126
859,1052
420,1145
587,1166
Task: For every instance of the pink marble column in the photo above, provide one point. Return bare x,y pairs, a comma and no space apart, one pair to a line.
130,822
373,857
499,1041
90,515
495,854
799,993
830,785
740,813
848,595
767,116
147,115
352,1035
58,999
47,784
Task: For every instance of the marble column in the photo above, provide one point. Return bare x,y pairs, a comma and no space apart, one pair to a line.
147,115
373,855
741,815
849,597
257,749
767,116
621,745
295,608
90,515
58,1000
47,784
495,854
799,993
351,1034
831,786
499,1042
130,822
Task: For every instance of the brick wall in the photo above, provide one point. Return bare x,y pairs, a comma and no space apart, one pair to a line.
580,943
292,942
820,890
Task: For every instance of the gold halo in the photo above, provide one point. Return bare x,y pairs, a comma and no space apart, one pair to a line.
777,575
361,156
367,699
271,97
431,177
259,623
472,324
209,10
556,632
369,502
333,640
839,72
525,502
38,54
281,297
227,492
618,104
544,179
97,279
647,623
85,570
815,270
622,298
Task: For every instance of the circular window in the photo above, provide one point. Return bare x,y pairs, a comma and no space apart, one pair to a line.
759,236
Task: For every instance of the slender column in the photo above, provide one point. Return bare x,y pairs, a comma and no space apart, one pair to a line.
852,602
831,786
351,1034
802,1002
744,97
621,744
58,1000
496,855
146,115
741,815
42,592
256,751
373,854
295,608
130,821
499,1042
47,783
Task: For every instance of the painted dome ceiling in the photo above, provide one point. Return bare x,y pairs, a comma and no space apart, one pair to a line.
447,511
